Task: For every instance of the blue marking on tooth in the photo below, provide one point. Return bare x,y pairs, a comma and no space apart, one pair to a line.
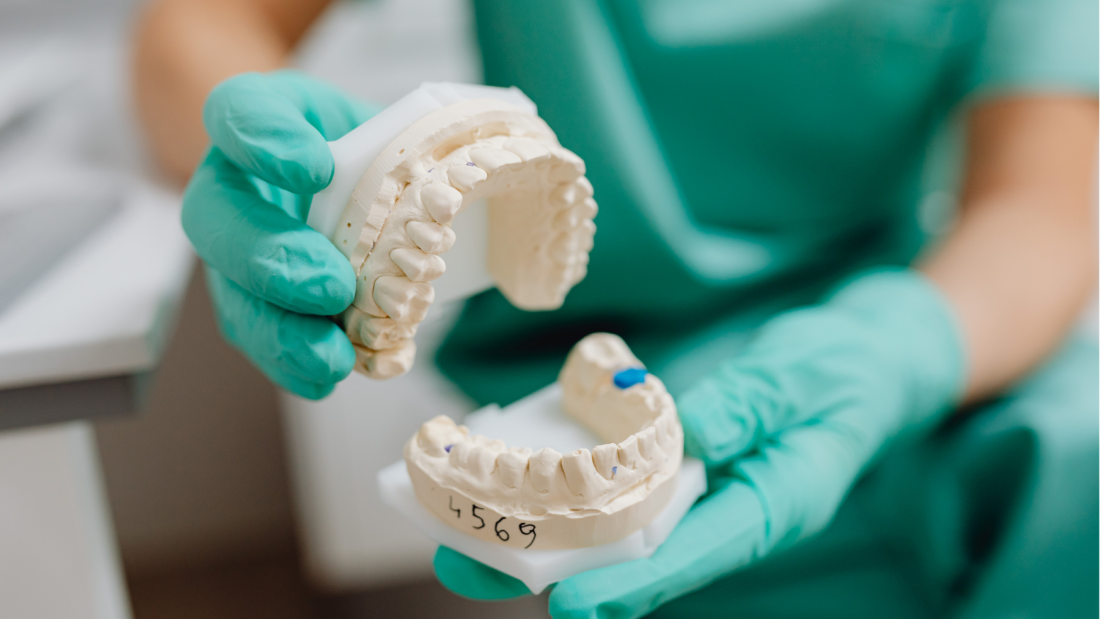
629,377
614,470
448,448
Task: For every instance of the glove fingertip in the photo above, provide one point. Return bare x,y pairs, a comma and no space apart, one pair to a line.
468,578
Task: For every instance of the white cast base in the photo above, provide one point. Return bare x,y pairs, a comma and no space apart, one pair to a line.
537,421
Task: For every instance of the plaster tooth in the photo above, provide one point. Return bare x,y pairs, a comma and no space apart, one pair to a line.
587,208
563,195
383,364
402,299
527,149
569,168
606,460
431,237
512,466
493,159
437,433
459,454
464,177
584,187
580,473
441,201
647,444
666,435
480,461
417,265
573,218
628,452
563,250
543,467
377,333
583,237
580,271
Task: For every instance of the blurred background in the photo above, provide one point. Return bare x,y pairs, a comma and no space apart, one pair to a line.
221,497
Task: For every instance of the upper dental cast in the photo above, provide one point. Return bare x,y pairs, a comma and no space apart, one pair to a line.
397,222
543,499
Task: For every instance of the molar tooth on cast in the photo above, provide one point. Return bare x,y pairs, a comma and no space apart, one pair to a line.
527,149
493,159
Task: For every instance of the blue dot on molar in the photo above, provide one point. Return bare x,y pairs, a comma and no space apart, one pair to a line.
614,470
448,448
629,377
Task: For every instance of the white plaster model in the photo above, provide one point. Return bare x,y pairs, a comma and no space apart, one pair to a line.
398,219
584,498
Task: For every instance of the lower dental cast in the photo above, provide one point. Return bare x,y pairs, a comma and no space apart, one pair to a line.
397,222
544,500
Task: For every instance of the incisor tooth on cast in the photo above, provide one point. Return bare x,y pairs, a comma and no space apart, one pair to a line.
647,443
417,265
441,201
527,149
465,177
564,249
563,195
580,473
481,460
628,451
512,465
605,458
431,237
492,159
403,299
543,467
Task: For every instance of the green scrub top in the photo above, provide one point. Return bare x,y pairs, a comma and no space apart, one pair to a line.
744,154
747,154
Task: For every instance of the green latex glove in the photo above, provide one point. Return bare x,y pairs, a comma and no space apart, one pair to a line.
273,279
785,428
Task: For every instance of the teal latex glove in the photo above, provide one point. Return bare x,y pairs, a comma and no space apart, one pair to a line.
273,279
785,429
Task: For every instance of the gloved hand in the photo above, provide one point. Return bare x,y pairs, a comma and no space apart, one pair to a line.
274,280
785,428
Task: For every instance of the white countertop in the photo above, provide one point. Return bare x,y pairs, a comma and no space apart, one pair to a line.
108,306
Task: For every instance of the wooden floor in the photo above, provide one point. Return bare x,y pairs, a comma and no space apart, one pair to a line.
274,589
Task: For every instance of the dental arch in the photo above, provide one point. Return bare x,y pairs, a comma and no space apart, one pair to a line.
581,499
397,222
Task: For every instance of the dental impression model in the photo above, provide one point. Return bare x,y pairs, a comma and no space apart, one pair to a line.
398,219
542,499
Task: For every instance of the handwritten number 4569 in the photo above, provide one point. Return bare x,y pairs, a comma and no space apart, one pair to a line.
525,528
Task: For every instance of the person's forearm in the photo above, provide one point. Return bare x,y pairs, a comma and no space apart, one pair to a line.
1021,261
186,47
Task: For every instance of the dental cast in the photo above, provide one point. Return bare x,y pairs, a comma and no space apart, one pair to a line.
584,498
398,221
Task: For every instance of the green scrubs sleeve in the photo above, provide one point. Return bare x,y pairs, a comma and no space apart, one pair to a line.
1037,46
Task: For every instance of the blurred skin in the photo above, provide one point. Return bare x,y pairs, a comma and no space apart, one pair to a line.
1017,268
